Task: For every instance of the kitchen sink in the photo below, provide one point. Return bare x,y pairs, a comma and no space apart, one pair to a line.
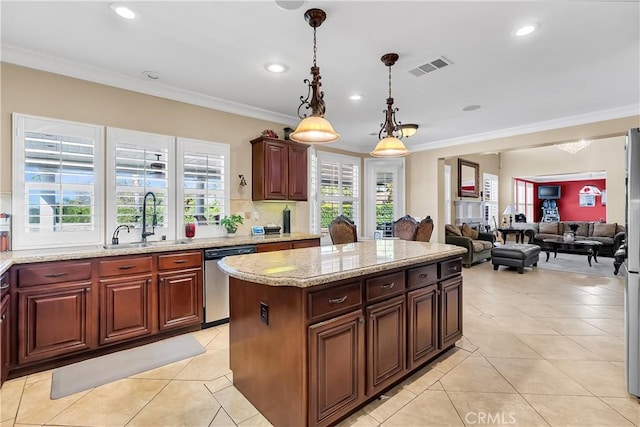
135,245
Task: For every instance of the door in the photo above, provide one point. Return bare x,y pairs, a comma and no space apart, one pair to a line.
386,343
422,325
55,320
336,367
384,193
180,295
450,311
125,308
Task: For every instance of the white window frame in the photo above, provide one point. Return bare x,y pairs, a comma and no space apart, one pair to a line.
448,204
372,166
21,238
491,199
186,145
152,142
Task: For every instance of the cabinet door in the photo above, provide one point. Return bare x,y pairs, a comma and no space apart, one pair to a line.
450,312
336,367
55,320
180,298
386,344
275,171
5,333
297,173
423,325
125,308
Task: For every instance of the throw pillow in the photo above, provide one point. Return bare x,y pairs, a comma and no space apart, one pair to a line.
548,228
583,229
604,229
452,230
467,231
475,233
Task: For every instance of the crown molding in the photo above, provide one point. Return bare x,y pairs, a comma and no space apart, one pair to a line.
50,64
564,122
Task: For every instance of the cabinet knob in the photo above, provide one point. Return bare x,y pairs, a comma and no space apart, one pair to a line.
4,316
149,281
87,289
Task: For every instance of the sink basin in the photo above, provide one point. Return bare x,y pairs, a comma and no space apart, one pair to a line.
135,245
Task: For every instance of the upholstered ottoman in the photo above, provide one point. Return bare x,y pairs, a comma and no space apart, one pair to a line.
515,255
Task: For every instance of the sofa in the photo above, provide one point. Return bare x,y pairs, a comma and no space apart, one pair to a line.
477,243
611,235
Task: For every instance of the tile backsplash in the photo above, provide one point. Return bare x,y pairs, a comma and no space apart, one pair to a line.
268,213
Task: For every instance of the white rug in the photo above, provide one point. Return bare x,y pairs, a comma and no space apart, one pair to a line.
105,369
575,263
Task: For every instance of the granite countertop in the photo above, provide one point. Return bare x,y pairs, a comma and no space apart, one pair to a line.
7,259
325,264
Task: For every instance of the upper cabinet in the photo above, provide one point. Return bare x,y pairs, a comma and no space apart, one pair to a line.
279,169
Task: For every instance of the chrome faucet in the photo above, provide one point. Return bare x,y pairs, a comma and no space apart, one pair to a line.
154,222
114,238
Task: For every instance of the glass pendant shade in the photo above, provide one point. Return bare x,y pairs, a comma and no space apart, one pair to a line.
390,147
314,130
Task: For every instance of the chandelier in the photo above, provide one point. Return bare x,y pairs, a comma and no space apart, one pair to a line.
314,129
390,145
574,147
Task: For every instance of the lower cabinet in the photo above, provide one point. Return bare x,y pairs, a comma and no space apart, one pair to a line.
55,320
5,338
422,318
336,367
180,298
450,311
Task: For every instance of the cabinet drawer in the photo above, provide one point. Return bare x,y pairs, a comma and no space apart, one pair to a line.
334,300
422,275
310,243
4,285
180,261
54,273
269,247
450,268
120,266
384,286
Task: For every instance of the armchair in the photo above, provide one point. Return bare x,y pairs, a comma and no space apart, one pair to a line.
477,243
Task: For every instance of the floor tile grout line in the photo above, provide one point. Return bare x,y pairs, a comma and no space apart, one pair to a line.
636,423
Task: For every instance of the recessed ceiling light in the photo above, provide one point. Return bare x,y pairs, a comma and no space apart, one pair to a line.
290,4
524,30
355,97
125,11
472,107
151,75
275,67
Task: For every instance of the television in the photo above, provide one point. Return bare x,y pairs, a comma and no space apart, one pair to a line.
546,192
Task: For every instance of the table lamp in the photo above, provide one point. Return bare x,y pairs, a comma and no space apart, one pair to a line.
509,211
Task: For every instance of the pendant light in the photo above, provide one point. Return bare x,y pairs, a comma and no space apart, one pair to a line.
390,145
314,129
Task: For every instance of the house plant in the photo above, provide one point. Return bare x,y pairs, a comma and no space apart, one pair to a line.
231,222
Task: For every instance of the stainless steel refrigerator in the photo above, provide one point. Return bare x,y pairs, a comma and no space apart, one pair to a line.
632,289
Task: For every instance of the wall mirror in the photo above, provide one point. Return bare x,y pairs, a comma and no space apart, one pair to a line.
468,179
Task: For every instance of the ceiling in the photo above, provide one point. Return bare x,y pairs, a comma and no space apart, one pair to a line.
581,65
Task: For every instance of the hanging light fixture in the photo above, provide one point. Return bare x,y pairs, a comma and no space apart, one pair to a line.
314,129
390,145
574,147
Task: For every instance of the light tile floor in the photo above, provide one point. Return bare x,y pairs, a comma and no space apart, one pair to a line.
541,348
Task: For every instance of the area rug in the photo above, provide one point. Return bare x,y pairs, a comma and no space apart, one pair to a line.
574,263
105,369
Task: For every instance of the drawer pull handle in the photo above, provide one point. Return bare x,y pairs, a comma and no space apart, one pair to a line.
338,300
180,261
55,274
423,275
125,267
453,268
388,286
4,286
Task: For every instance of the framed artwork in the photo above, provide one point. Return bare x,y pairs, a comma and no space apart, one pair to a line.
587,200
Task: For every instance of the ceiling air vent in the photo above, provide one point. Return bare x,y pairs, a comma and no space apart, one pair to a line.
430,66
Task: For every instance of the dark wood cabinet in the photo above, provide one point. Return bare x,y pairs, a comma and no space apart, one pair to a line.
125,308
422,318
450,311
336,367
279,170
55,320
5,338
386,343
308,243
180,296
281,246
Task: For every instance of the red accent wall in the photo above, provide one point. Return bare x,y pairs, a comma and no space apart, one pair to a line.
569,203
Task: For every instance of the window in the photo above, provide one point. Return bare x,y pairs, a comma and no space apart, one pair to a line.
523,195
139,163
384,189
203,193
490,191
335,185
57,196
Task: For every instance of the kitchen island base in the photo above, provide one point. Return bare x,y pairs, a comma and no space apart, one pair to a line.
313,355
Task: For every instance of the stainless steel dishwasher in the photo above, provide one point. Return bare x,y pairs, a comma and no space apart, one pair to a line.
216,284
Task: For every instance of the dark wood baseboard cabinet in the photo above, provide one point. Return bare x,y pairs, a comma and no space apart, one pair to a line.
279,169
355,339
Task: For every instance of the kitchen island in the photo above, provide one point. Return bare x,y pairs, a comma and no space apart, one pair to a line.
315,333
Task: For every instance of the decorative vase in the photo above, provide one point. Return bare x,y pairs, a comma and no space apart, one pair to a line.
189,230
568,236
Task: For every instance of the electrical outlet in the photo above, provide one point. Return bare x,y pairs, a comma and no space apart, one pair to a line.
264,313
256,215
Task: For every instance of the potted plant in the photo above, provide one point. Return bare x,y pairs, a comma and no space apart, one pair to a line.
231,222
